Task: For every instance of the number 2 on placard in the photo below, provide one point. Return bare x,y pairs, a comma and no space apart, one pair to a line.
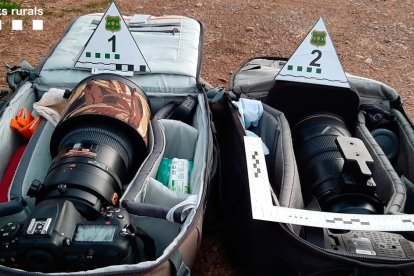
113,39
313,62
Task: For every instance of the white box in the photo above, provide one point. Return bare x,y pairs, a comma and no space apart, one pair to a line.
17,25
37,25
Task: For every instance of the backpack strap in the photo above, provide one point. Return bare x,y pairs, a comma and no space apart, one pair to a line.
179,267
215,94
17,75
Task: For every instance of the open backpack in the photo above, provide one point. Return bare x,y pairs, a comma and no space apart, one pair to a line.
138,224
300,159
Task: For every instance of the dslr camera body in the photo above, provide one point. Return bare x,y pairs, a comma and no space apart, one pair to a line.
57,237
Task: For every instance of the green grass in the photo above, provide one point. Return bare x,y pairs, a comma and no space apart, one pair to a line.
97,6
9,5
102,4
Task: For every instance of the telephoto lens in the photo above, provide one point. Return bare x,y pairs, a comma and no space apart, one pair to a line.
99,143
321,167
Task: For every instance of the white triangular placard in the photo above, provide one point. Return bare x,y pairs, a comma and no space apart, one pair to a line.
112,48
315,61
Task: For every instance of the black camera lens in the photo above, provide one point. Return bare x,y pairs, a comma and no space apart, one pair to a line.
321,164
91,165
99,143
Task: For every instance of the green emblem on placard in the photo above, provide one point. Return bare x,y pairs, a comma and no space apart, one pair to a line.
318,38
113,23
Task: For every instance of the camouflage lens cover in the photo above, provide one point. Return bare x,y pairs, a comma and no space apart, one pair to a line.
111,96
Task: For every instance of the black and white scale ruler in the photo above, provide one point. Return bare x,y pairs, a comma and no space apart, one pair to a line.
263,208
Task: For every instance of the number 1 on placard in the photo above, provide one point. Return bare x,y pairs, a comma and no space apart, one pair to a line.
113,39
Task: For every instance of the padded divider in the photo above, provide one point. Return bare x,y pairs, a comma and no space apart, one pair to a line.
409,186
149,166
168,235
35,162
10,139
180,139
203,148
371,90
290,192
405,157
172,139
283,173
154,192
268,129
390,189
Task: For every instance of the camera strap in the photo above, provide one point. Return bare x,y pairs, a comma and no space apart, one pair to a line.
184,111
378,115
187,205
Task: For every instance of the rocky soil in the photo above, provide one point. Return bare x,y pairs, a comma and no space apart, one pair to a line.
373,38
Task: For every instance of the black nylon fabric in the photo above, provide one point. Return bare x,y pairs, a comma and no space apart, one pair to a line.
269,248
253,241
247,239
297,101
278,239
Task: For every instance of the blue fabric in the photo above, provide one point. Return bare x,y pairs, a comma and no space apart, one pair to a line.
252,134
252,112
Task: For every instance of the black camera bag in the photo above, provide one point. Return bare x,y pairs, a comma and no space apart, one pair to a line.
262,247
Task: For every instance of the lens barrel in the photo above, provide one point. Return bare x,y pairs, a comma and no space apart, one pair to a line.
99,143
321,164
90,167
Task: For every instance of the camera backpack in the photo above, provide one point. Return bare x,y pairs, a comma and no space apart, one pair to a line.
264,247
169,222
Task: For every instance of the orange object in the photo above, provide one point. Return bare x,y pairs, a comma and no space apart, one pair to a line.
25,123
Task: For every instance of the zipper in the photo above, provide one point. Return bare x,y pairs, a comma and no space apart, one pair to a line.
143,24
149,30
233,76
150,27
200,51
153,25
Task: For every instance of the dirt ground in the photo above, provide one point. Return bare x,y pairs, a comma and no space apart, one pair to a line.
373,38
